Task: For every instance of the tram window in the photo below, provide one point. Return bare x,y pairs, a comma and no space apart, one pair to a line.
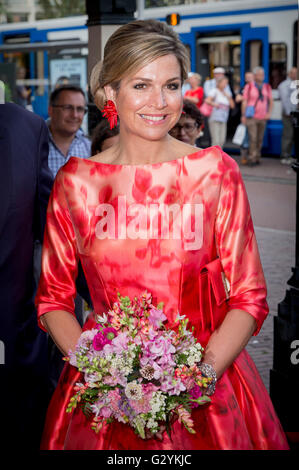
277,63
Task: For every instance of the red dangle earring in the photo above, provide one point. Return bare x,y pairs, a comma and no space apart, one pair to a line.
109,112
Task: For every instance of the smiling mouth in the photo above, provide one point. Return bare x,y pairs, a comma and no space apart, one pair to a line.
153,118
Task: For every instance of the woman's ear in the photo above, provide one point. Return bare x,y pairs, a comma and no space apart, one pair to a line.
110,93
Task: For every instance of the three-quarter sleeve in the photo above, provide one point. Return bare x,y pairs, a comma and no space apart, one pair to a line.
237,246
56,289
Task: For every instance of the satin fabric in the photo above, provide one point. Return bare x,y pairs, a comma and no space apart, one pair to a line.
241,415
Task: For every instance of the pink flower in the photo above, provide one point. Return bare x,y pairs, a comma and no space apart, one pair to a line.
110,333
153,370
105,412
156,317
195,393
172,387
103,337
143,404
160,346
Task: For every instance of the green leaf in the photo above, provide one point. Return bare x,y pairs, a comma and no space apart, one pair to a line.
201,400
139,427
87,411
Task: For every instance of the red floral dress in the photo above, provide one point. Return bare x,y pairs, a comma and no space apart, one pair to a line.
101,215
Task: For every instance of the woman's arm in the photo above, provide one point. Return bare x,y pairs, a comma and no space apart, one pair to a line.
193,99
268,116
243,109
63,328
231,102
238,252
239,98
229,340
210,100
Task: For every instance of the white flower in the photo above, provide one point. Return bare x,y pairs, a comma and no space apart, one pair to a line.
157,402
152,424
102,318
180,317
133,391
194,354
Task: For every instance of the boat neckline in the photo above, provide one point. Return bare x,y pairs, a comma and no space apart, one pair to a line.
142,164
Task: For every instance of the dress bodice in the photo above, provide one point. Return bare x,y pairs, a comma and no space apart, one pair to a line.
150,227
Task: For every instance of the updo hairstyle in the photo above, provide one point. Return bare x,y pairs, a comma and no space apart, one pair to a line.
132,47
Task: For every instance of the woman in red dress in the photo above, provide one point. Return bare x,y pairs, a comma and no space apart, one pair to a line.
215,277
196,94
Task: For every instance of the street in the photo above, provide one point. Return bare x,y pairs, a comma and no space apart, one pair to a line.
271,189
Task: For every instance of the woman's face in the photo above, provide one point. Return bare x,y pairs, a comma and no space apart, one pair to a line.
186,130
149,102
194,81
222,83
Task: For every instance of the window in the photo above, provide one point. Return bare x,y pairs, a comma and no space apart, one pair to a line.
295,44
277,64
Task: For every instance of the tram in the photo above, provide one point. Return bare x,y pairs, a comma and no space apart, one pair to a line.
237,35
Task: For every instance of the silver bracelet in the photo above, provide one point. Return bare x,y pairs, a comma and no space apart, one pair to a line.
208,371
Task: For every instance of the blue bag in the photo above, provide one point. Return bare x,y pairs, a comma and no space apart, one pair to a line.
249,111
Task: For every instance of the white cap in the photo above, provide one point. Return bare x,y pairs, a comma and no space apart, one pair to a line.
219,70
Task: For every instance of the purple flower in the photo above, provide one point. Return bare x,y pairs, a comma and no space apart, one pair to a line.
195,393
156,317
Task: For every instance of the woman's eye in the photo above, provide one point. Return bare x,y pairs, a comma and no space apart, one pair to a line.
173,86
139,86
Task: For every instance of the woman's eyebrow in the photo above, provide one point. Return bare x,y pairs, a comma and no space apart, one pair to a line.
150,80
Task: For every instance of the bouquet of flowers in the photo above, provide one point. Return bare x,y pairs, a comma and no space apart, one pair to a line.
137,371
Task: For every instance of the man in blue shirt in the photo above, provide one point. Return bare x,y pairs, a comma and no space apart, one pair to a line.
67,108
285,92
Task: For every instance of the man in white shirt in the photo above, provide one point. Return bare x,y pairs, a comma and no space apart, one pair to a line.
287,139
209,85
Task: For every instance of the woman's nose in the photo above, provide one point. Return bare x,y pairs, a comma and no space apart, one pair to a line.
158,99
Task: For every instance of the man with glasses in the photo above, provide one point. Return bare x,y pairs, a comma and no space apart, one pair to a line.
66,110
189,128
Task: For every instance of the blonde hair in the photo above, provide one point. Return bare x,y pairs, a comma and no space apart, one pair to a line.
197,76
130,48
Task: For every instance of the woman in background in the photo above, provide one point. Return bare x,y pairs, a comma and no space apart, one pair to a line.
221,102
195,95
188,128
